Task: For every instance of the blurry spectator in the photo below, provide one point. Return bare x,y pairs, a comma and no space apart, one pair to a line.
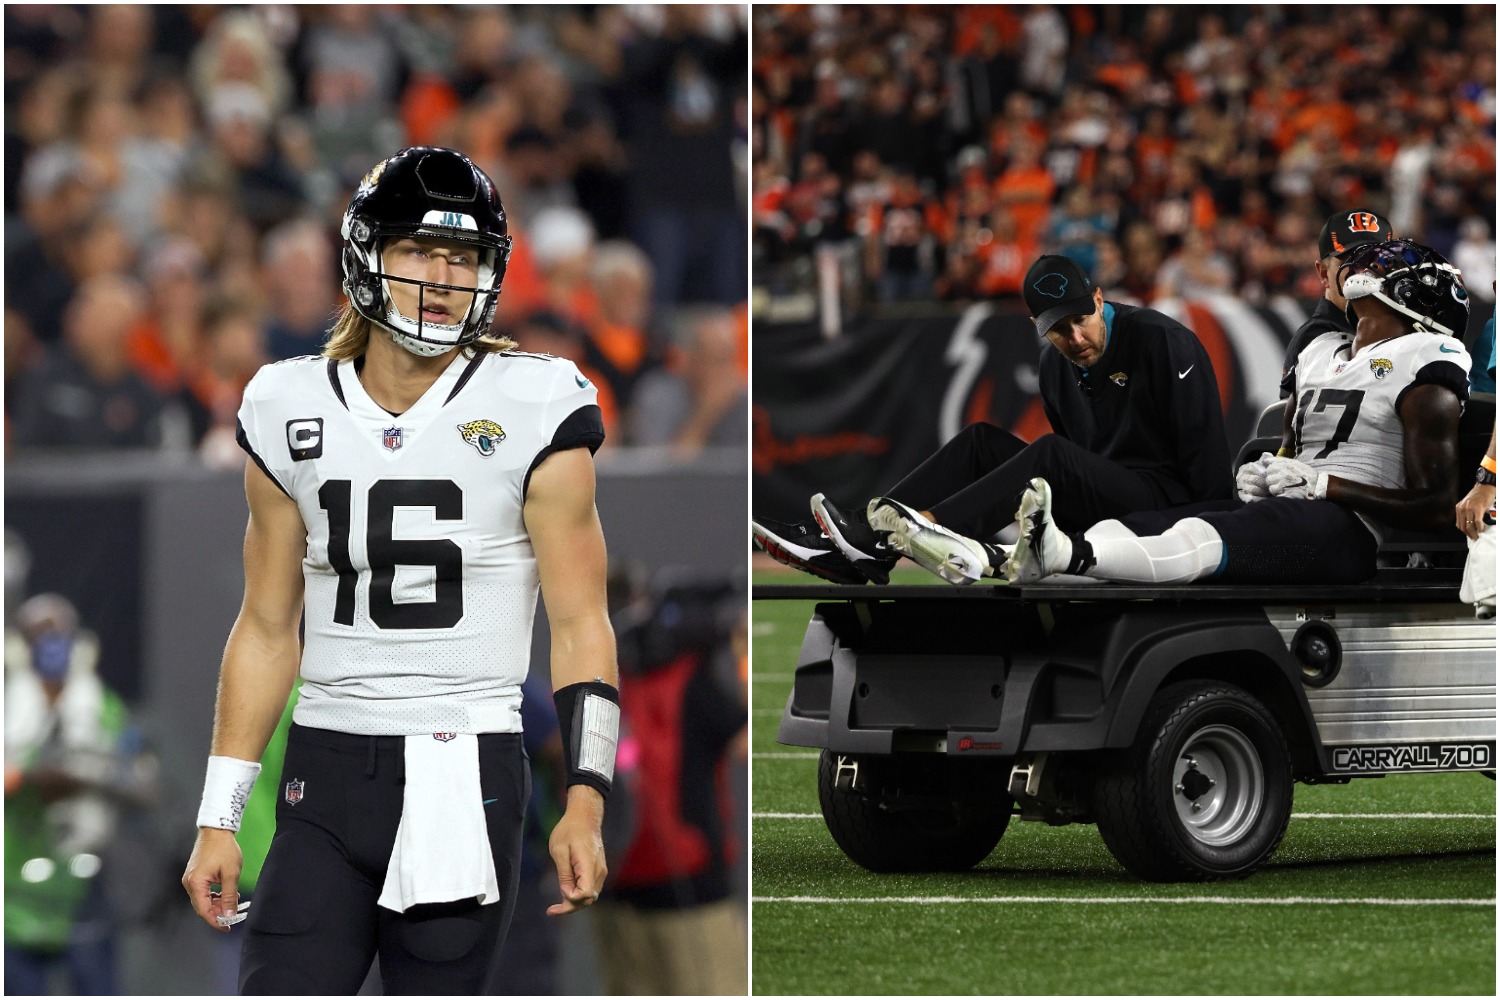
165,343
233,351
699,398
1026,188
85,395
1044,50
682,72
56,203
535,177
559,245
267,189
902,256
1005,259
69,763
301,280
351,73
1196,270
621,277
1475,257
1075,229
668,926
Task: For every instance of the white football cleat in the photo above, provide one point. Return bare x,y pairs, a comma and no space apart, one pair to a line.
1042,548
935,548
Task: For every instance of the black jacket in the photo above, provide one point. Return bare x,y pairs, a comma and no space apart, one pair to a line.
1150,403
1326,318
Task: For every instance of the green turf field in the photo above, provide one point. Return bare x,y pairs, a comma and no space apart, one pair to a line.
1382,886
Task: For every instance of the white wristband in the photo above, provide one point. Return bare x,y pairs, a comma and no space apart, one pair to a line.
226,788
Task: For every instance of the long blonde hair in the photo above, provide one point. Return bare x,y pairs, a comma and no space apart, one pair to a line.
350,337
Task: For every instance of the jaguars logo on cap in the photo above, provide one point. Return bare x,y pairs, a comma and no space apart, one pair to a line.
1380,367
483,435
1052,285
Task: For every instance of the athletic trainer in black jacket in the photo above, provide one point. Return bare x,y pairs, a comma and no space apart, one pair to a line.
1137,425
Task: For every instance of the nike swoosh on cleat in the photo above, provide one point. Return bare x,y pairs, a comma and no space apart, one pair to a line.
1185,374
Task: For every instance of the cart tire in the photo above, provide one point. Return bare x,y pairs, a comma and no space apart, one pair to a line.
1204,793
879,834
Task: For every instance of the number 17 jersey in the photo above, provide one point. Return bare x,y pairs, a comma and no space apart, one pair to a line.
1348,418
420,579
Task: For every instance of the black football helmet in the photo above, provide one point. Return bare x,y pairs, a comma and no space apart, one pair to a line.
424,191
1412,279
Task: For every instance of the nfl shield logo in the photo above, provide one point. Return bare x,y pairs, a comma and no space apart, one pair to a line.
443,737
392,438
293,792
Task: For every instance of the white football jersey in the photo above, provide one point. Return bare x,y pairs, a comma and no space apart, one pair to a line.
1348,420
421,583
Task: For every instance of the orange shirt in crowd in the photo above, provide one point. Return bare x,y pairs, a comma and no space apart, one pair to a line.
1003,266
1028,192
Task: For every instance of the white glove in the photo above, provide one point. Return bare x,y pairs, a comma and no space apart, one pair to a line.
1251,480
1287,477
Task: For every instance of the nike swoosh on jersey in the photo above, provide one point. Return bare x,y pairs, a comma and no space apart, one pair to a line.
1447,350
582,382
1185,374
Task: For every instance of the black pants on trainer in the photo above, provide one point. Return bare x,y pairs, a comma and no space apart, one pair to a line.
973,483
315,927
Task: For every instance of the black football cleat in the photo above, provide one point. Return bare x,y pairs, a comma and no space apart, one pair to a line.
803,546
862,545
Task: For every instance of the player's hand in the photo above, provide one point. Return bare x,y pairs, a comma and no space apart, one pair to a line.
1470,512
577,848
1287,477
216,860
1250,481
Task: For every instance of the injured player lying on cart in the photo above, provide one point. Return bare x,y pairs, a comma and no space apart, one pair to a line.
1370,438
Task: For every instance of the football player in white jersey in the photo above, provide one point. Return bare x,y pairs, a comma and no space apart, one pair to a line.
409,492
1371,435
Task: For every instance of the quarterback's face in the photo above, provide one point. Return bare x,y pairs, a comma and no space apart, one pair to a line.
1080,339
437,262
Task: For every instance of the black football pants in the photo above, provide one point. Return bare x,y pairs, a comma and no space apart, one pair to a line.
314,925
973,483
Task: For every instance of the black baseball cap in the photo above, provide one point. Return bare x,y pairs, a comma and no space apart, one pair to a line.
1348,229
1057,288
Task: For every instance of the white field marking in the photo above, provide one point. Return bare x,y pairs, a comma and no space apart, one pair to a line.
785,756
763,628
1228,900
1393,815
760,815
765,711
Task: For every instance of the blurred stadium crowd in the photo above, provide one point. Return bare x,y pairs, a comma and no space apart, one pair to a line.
175,178
1171,151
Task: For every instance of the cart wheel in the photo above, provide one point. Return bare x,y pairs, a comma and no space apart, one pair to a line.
942,832
1204,793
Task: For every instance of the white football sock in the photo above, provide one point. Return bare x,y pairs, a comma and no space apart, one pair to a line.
1189,550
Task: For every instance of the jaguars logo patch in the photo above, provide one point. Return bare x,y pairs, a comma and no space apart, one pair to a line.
373,177
1380,367
1119,379
483,435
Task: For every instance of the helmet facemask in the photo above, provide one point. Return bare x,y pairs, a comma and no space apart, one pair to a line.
369,284
1412,279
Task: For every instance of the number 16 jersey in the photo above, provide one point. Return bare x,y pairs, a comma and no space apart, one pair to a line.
420,579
